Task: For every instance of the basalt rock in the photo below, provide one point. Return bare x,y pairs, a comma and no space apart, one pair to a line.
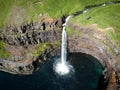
21,42
95,42
32,33
27,66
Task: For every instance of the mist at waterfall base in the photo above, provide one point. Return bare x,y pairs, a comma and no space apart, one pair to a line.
86,76
63,68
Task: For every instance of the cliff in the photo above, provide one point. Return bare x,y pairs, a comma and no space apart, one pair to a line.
29,37
27,42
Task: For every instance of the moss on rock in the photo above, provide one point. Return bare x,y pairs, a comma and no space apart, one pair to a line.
3,52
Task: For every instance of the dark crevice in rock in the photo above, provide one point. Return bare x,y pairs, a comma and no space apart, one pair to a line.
1,65
101,84
20,68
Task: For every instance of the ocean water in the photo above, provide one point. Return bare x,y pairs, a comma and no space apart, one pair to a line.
86,76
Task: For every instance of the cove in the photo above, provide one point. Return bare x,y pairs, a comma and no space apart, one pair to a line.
87,74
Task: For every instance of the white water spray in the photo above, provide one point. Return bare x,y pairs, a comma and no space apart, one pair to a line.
64,42
63,67
64,46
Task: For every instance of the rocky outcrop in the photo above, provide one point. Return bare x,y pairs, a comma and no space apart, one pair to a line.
32,33
22,43
112,84
24,67
95,42
28,66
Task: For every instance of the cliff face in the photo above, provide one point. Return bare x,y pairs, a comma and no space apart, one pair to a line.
28,42
96,42
30,45
23,43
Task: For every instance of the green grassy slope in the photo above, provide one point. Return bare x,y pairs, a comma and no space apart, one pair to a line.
54,8
4,9
57,8
104,17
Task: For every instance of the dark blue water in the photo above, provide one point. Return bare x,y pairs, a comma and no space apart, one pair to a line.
86,76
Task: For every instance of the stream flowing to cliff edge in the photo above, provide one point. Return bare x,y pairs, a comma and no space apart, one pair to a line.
87,8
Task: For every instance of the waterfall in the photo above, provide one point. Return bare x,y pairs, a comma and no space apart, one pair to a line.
64,46
64,42
63,67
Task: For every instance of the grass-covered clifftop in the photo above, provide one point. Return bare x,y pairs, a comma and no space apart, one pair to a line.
104,17
29,10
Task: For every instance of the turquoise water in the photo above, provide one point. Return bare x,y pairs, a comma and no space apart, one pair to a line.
86,76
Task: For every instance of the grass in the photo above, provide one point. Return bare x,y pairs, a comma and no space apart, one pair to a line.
3,52
104,17
70,31
58,8
54,8
4,8
30,8
41,47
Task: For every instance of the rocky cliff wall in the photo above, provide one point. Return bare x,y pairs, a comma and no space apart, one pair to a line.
22,41
30,43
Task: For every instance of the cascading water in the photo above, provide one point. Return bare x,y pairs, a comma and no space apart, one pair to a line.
64,46
63,67
64,42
